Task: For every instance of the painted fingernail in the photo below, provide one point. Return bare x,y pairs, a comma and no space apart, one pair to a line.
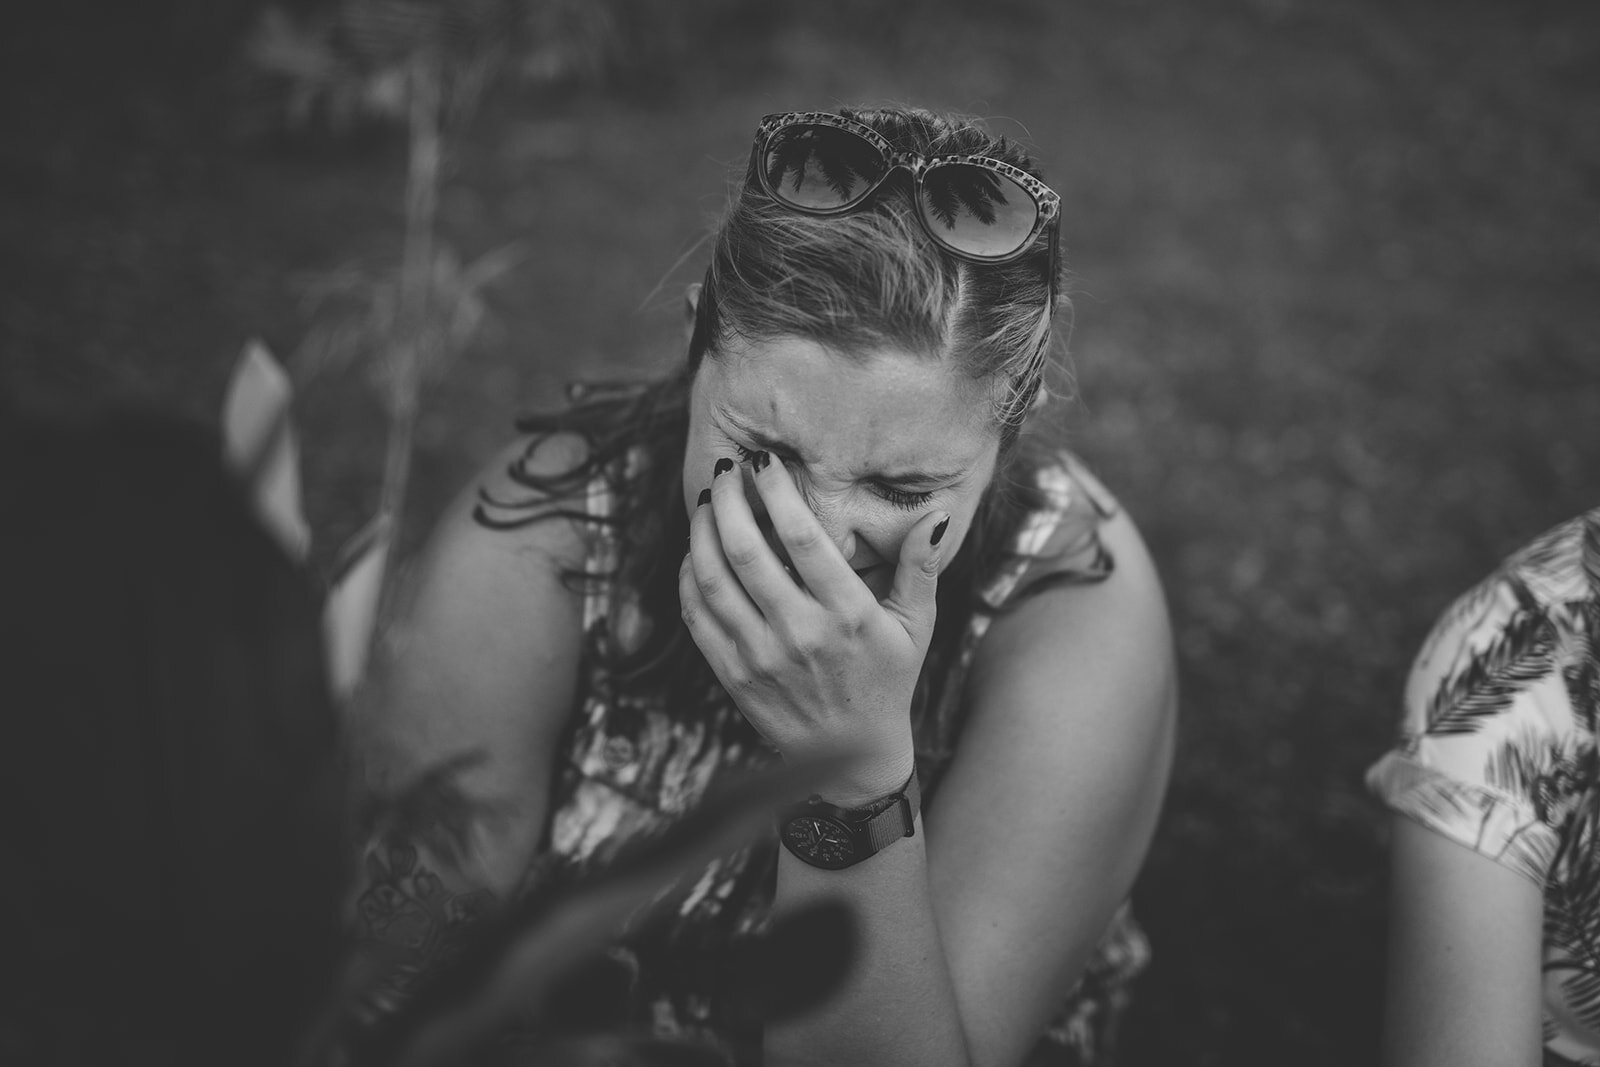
938,531
724,465
705,498
762,458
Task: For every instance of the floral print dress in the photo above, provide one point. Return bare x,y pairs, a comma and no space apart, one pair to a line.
631,767
1497,752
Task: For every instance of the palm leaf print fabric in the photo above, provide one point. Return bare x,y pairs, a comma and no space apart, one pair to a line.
1497,752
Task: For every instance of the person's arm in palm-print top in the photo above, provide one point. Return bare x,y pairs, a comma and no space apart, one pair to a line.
1490,785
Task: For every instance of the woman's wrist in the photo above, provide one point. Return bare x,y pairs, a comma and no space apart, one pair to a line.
868,778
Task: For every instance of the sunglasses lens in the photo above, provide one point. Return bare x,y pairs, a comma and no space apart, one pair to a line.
977,210
821,168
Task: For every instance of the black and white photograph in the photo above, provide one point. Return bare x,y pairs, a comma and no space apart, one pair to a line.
721,533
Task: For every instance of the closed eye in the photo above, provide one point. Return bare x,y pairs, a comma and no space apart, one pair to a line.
902,498
907,499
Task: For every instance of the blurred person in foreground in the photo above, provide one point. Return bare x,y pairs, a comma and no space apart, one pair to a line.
845,526
1494,955
173,790
170,777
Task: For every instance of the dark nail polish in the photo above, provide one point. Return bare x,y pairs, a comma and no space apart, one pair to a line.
759,463
724,465
938,531
705,498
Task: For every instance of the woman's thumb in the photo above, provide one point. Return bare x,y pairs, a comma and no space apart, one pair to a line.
916,576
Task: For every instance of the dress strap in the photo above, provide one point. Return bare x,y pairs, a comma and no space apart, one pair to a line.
1075,504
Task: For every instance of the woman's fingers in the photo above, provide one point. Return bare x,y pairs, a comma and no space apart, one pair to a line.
816,559
706,629
745,548
712,586
913,597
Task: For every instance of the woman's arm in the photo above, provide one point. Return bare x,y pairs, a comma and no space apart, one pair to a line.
1464,957
455,731
974,930
1050,804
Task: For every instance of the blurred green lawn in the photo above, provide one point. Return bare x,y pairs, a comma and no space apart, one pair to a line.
1337,345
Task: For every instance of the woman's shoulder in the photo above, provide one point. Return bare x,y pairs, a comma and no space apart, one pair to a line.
473,676
1059,535
509,537
1081,571
532,479
529,497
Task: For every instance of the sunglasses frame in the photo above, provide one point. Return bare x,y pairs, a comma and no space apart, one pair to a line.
1045,199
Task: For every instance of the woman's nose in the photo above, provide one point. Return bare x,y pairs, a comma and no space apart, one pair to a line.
840,530
838,519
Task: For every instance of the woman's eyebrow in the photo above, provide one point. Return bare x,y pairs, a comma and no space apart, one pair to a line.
758,437
918,480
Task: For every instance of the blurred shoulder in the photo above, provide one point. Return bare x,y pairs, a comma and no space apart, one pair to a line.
1513,632
1553,577
533,498
503,548
1561,565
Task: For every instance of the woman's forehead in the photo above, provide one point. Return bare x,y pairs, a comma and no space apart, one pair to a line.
884,407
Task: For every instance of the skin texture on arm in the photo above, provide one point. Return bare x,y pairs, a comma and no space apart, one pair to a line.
974,931
455,731
1464,957
1054,793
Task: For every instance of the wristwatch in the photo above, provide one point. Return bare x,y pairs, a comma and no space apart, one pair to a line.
833,838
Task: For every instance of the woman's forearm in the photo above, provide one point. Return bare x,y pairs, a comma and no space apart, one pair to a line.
897,1003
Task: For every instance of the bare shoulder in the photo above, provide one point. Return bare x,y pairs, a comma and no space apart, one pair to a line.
1107,639
480,648
1072,704
504,534
1072,713
522,502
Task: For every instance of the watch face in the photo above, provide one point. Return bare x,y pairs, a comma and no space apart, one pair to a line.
820,841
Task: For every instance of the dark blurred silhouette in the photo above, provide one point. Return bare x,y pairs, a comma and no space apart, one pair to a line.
171,784
169,778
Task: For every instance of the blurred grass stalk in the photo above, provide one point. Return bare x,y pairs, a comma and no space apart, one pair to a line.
411,335
427,65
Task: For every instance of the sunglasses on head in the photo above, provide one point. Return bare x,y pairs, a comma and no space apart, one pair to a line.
975,207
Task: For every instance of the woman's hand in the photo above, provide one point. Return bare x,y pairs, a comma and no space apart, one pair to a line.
815,662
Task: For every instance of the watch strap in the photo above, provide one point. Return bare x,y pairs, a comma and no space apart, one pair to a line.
896,819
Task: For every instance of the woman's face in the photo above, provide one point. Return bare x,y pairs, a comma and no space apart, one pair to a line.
874,442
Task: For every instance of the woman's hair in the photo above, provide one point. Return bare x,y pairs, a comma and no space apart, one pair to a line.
853,283
874,278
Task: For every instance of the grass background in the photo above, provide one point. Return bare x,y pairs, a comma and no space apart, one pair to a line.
1337,343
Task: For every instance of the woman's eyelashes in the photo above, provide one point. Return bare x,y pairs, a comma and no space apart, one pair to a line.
900,498
748,455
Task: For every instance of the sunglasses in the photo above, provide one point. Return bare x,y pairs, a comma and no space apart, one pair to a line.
975,207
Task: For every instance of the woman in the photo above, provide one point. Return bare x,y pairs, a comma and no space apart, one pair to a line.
830,533
1495,898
